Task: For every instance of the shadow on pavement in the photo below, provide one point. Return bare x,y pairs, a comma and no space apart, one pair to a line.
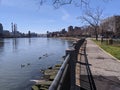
101,82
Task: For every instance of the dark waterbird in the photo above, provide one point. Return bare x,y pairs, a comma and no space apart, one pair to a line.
22,65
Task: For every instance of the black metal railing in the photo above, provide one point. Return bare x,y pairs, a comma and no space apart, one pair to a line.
60,75
64,79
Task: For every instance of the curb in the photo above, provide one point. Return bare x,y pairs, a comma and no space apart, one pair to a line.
106,52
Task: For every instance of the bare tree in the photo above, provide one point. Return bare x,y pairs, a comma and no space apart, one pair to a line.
59,3
93,18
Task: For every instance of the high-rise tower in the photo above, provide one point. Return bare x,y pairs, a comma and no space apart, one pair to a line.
1,30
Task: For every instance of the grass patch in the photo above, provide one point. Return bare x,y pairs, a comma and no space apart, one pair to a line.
112,49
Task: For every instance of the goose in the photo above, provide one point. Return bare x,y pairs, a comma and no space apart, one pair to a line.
22,65
40,57
28,63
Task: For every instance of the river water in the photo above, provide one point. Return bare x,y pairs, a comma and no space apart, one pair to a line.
21,60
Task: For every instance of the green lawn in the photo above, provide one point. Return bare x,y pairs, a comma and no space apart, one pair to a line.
112,49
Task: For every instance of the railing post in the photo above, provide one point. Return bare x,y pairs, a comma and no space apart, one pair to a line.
73,58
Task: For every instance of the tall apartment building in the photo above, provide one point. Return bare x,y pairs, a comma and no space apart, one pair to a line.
70,31
1,30
111,26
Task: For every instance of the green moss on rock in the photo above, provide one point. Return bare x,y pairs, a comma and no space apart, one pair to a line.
34,87
58,65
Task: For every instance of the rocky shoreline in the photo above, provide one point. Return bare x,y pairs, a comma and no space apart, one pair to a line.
50,73
48,76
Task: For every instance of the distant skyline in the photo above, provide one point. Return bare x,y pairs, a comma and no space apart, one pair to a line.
29,16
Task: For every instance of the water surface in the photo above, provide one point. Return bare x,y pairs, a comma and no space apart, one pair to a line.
21,60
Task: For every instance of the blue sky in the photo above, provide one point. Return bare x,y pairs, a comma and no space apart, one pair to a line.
28,15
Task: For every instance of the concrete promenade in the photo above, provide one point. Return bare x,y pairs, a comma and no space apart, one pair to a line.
105,69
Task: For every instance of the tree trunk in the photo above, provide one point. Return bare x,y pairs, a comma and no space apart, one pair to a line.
96,34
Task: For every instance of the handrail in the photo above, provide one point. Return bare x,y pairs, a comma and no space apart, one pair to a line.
56,81
63,77
67,67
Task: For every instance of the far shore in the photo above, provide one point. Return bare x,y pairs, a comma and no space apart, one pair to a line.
69,38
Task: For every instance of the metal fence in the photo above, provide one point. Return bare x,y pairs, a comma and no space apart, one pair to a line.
64,79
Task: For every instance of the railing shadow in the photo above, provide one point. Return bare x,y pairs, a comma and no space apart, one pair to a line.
101,82
86,78
94,82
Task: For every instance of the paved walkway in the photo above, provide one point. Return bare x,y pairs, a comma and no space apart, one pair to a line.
105,69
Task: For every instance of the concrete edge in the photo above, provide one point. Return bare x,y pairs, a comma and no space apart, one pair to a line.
107,52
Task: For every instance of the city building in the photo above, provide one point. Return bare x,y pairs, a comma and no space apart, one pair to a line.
1,30
6,33
110,27
76,31
70,31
